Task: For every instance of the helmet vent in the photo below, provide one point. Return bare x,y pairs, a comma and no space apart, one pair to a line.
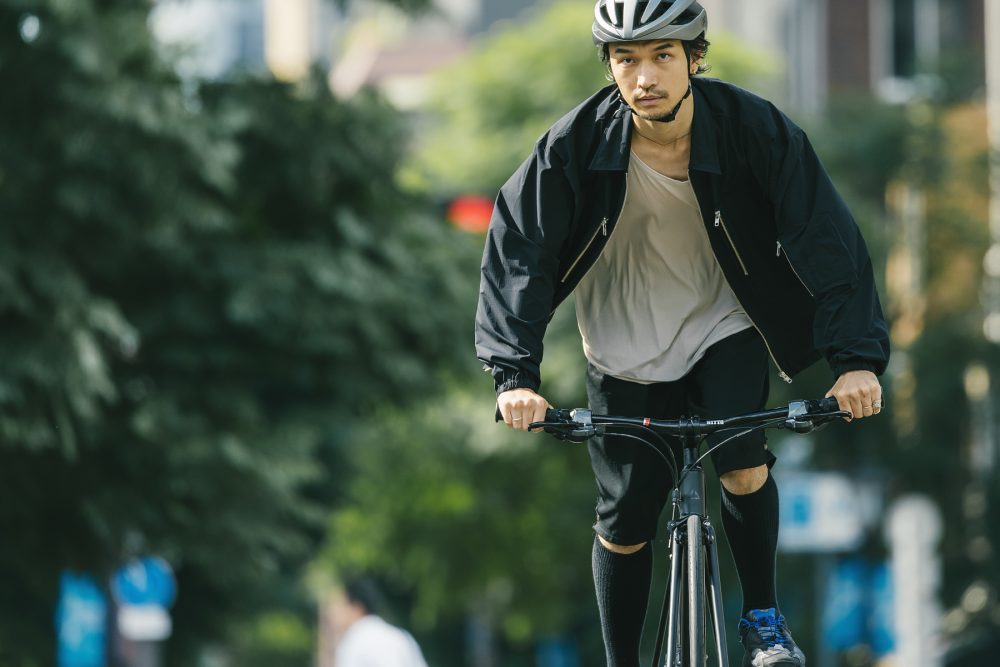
607,16
658,12
617,17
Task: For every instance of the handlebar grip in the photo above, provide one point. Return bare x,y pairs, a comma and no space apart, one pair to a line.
561,416
828,404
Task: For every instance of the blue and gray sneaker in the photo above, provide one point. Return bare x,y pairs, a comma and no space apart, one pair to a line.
767,641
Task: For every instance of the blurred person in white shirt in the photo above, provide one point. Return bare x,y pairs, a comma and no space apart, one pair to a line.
366,640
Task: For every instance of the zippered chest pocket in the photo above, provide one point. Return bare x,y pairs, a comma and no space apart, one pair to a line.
822,256
721,224
602,230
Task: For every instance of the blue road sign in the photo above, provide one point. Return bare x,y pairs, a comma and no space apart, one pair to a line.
881,621
144,581
859,606
844,612
81,622
820,513
556,652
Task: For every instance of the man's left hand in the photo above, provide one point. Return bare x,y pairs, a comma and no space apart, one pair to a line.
859,393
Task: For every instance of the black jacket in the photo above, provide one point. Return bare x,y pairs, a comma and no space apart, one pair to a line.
784,238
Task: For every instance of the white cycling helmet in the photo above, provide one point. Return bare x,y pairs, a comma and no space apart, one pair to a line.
635,20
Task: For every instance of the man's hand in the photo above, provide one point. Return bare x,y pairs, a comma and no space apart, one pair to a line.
859,393
520,407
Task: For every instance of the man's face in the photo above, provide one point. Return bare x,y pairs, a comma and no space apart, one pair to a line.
342,613
651,75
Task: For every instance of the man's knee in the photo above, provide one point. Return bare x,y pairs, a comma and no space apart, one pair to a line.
745,481
619,549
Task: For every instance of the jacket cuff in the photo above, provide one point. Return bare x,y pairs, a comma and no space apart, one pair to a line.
506,380
841,367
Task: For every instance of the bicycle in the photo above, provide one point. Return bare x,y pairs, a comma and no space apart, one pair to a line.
694,570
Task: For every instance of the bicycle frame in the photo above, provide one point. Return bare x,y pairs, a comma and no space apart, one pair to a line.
694,557
689,502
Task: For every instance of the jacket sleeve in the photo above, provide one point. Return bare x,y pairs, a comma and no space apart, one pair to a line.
530,221
822,242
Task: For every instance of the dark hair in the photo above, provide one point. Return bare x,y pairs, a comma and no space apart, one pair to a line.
694,49
363,592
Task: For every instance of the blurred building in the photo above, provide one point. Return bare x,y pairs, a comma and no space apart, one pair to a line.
380,46
832,46
367,44
214,38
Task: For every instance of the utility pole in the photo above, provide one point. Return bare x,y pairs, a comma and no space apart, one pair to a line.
991,279
980,380
984,453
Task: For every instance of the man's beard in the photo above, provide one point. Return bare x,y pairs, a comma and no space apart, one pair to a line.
671,115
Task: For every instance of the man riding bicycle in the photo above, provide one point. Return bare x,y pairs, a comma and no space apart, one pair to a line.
701,237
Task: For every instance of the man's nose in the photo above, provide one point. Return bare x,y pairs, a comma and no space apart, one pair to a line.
647,78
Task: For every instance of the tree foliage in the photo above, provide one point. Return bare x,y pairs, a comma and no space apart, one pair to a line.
480,519
196,288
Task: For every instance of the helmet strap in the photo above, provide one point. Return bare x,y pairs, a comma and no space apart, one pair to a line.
670,117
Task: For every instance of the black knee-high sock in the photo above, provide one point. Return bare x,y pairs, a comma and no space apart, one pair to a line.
751,523
622,585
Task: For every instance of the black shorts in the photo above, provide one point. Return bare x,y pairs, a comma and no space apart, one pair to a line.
633,482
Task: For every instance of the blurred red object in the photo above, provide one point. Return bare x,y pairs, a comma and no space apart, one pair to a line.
470,213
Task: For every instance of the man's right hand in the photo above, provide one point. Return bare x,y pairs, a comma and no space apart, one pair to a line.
520,407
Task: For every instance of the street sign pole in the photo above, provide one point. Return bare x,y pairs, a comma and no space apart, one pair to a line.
143,590
913,530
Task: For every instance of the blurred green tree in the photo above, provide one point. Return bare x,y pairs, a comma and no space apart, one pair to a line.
481,523
197,287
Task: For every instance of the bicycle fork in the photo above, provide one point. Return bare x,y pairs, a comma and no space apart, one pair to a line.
694,579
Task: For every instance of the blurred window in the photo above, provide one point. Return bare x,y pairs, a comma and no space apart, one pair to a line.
904,38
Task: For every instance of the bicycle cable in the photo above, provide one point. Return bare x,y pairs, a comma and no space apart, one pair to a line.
701,458
670,464
659,438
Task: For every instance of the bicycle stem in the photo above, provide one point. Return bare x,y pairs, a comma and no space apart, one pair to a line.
689,496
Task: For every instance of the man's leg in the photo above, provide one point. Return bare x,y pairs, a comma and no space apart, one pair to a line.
732,378
621,581
632,486
750,519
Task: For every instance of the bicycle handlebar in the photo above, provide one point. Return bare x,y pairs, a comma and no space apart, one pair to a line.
801,416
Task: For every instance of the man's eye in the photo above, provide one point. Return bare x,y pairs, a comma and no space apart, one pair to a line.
663,56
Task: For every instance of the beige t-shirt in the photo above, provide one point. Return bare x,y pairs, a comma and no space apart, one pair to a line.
656,299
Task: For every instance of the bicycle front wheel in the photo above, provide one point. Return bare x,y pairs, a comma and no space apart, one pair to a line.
696,592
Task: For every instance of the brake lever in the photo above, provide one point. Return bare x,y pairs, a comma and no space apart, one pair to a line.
576,435
797,411
578,426
802,413
572,431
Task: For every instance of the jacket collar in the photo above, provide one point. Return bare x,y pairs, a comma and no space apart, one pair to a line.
615,125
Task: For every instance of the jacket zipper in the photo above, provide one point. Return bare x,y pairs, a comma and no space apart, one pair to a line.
601,229
720,223
781,373
787,259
